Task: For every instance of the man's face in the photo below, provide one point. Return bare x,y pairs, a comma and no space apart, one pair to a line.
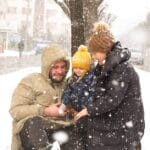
58,71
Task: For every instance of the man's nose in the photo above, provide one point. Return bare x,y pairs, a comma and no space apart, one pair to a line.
60,70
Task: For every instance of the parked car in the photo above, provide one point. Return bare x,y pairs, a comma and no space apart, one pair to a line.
40,46
137,57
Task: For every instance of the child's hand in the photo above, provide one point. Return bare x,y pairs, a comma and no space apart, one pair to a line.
81,114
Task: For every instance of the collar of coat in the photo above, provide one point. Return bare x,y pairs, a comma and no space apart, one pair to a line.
50,55
116,56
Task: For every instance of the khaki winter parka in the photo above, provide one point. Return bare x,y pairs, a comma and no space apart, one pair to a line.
34,93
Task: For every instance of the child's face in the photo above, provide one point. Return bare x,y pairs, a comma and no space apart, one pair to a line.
78,71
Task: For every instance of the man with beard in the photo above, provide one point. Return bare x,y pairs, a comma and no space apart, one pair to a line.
35,104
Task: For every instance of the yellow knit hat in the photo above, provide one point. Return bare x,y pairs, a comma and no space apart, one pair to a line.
82,58
102,38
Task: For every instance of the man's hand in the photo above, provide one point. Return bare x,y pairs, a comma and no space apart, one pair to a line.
72,112
52,110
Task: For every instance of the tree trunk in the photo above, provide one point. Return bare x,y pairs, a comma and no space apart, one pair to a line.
90,16
83,13
77,24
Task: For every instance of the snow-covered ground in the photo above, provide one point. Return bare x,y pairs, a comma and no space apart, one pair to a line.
9,82
7,85
15,53
10,61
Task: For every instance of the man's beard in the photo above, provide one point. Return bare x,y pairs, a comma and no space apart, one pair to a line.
55,80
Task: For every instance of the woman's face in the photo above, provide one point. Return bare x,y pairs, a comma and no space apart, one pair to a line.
98,56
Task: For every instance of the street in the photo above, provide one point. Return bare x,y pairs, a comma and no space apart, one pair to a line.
14,63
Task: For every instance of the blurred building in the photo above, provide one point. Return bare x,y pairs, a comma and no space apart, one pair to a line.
15,19
31,20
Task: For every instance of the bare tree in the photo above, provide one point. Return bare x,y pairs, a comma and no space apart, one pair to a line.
104,15
83,13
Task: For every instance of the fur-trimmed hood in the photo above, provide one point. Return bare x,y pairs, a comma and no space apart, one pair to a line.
50,55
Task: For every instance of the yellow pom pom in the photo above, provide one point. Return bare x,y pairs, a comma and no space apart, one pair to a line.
82,48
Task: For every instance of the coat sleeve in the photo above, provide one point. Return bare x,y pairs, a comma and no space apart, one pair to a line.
108,98
89,91
66,95
22,104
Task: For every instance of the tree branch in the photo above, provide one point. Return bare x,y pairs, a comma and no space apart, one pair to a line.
98,2
67,3
64,7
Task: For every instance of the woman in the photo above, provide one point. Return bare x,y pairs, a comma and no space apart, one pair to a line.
116,117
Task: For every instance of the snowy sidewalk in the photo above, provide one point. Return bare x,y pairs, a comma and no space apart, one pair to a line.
11,62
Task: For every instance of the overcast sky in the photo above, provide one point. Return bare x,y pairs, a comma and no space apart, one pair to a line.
129,13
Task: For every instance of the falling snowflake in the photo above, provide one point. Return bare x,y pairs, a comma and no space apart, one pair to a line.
44,92
121,55
102,89
55,97
61,137
86,93
110,100
122,84
40,140
129,124
115,82
96,108
140,134
110,115
90,136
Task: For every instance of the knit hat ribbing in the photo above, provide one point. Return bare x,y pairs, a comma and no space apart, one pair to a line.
102,38
81,58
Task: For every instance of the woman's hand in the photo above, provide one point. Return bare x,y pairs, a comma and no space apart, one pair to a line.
81,114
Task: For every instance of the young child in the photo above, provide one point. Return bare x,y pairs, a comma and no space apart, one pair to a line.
80,89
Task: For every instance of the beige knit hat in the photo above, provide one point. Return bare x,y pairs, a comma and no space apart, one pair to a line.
102,38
